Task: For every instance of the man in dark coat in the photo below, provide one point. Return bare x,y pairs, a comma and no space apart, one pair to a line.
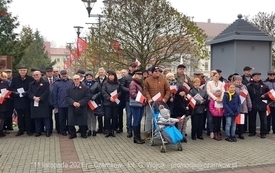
8,117
246,75
77,99
51,79
19,86
39,93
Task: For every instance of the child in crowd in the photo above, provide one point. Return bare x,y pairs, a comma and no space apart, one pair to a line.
232,106
217,111
181,108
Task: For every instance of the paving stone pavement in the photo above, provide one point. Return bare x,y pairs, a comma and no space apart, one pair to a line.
120,154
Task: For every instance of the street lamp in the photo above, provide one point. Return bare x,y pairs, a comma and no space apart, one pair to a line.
89,4
78,30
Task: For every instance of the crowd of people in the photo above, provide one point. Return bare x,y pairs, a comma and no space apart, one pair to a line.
96,102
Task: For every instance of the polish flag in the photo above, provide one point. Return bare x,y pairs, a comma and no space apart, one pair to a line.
1,99
137,62
186,87
271,94
243,95
268,111
173,89
140,98
114,95
157,97
240,119
5,93
192,101
92,105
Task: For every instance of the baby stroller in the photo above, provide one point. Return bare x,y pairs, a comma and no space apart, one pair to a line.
168,133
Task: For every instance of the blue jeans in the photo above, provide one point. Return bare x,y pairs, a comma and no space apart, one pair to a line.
38,122
230,126
129,118
137,115
63,119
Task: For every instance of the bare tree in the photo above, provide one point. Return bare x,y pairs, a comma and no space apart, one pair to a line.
149,31
265,22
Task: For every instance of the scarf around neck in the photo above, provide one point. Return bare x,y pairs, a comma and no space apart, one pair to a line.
230,95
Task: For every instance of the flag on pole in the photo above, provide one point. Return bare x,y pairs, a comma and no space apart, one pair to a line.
92,105
268,110
192,101
140,98
243,95
240,119
81,46
173,89
271,94
157,97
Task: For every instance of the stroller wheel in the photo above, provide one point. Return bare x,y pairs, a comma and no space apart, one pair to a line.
179,147
163,149
152,143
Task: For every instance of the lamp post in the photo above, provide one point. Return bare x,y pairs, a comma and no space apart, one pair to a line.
89,4
78,30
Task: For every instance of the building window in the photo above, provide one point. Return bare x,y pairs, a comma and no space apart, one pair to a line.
57,60
206,66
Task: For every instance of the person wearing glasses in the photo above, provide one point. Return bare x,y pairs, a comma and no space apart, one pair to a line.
56,73
77,98
21,100
38,93
270,82
153,85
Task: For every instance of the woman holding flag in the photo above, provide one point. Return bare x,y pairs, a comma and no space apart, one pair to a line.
246,104
137,103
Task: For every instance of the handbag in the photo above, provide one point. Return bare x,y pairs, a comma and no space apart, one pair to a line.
134,103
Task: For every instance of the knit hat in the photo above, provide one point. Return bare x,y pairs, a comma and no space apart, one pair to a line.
217,89
165,113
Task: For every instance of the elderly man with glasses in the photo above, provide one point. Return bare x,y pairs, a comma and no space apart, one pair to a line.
152,86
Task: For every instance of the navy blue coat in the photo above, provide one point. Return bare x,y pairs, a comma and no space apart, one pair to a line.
60,91
233,107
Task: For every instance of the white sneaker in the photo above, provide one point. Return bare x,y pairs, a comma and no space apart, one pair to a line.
211,135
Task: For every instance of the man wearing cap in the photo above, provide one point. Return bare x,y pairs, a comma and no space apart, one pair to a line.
181,77
59,93
153,85
222,79
19,86
247,75
81,73
125,82
258,94
51,79
270,82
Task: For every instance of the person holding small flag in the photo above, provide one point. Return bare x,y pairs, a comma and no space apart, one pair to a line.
173,89
111,91
232,107
246,104
270,82
137,103
258,92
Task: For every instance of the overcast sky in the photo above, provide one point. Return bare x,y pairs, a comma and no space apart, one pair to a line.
55,18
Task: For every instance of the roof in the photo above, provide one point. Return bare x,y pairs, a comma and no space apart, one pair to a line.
241,30
59,51
212,29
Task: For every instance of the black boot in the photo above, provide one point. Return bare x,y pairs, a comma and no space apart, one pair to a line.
108,134
113,133
138,135
136,138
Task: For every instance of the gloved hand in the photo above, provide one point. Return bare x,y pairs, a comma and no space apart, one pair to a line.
93,98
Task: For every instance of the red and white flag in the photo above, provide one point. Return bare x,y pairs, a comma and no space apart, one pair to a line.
186,87
114,94
173,89
73,56
240,119
137,62
140,98
271,94
243,95
92,105
81,46
157,97
192,101
268,111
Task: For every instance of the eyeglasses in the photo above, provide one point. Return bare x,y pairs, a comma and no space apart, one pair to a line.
55,71
77,79
271,74
35,75
156,71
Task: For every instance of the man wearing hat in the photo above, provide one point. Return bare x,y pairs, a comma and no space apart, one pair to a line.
125,82
181,77
222,79
258,94
270,82
51,79
60,104
19,86
81,73
247,75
